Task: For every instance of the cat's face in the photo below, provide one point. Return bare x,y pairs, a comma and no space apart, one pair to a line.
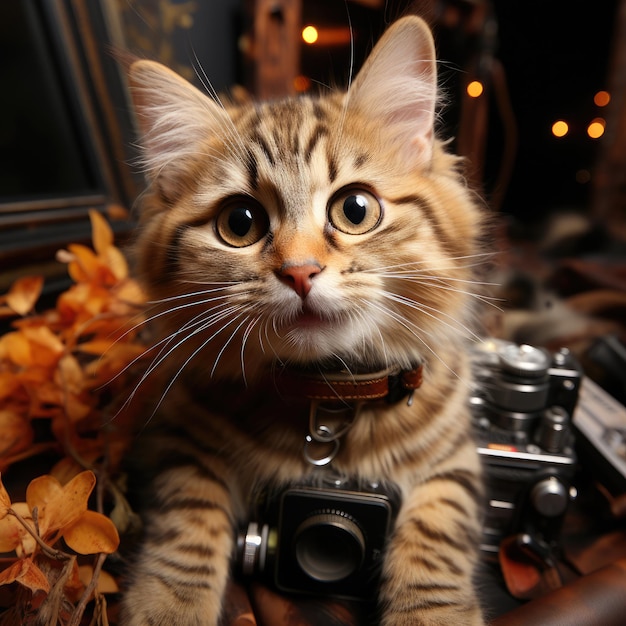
308,230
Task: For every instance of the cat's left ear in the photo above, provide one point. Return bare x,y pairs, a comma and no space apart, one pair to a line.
398,86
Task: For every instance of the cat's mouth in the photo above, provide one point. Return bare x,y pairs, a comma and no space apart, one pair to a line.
312,318
309,319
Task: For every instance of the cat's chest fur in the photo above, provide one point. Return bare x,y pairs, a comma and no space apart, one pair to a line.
264,430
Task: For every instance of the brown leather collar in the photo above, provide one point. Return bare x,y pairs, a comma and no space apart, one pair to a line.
391,384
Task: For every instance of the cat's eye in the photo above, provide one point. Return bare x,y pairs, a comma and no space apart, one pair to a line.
242,222
354,211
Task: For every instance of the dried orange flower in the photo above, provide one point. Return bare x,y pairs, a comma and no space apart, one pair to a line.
61,512
32,530
66,365
54,364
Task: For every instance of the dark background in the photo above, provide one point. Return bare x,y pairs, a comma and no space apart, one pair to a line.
555,55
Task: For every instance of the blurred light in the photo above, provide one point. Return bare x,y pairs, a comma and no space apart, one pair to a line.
560,128
340,36
474,89
301,83
602,98
583,176
596,128
310,34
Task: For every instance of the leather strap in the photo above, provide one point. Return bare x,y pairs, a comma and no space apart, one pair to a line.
391,384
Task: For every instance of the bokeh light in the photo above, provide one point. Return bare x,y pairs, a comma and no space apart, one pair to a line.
560,128
310,34
596,128
602,98
475,89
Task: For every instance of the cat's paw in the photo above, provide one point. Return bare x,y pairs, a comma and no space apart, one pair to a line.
154,604
434,616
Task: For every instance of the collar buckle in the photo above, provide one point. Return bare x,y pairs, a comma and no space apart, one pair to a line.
327,424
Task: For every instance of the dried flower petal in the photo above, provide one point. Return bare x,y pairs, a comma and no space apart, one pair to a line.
27,574
16,348
83,264
9,384
64,256
70,374
13,535
16,433
116,262
24,293
59,506
92,533
106,582
101,233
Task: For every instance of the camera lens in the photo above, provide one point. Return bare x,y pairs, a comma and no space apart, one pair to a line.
329,546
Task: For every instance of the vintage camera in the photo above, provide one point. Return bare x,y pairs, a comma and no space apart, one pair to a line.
326,537
522,405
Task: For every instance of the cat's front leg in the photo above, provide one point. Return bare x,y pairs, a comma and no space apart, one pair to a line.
180,574
429,566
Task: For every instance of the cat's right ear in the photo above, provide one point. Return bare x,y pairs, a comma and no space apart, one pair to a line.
397,86
172,115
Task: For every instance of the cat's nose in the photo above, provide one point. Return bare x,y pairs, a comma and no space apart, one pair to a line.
299,277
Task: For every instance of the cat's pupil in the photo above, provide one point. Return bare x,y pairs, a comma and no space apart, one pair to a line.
240,221
355,208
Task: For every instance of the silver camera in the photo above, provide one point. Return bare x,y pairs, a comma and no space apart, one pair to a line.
522,404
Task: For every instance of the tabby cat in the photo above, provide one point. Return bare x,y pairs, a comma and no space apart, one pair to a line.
324,234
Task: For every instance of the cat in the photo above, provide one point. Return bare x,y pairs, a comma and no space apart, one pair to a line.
317,234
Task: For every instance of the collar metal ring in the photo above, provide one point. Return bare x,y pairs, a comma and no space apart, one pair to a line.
319,461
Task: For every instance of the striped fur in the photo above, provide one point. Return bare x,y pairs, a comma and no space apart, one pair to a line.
228,318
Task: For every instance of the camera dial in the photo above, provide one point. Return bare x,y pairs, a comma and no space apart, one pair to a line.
550,497
253,546
524,360
553,433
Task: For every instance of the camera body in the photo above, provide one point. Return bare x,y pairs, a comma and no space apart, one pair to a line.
522,403
324,537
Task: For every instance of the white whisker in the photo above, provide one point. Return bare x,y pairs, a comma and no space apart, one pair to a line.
451,263
193,294
416,331
433,313
346,101
201,347
227,342
147,320
439,284
244,341
201,323
231,134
